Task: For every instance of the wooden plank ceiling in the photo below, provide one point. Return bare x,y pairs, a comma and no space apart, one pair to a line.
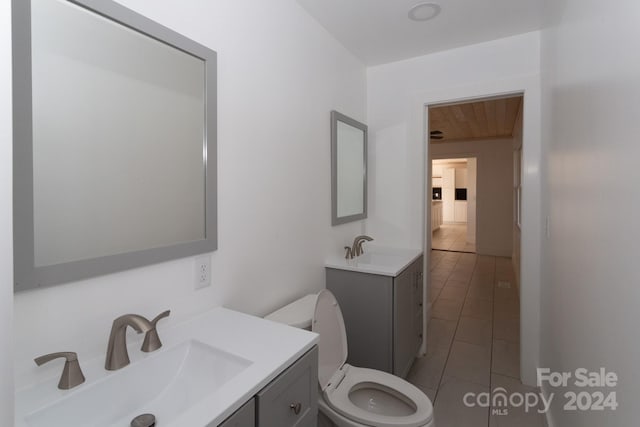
480,120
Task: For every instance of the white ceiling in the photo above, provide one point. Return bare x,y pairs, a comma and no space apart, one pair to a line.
379,31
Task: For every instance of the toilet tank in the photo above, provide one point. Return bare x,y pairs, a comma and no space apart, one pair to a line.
297,314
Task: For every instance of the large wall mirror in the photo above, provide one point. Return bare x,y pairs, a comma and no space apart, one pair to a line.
348,169
114,142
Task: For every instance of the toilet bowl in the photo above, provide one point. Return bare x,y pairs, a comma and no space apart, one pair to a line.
351,396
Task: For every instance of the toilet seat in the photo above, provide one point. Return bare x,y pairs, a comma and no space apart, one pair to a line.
338,398
338,380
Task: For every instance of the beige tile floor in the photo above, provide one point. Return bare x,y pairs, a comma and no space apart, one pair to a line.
452,237
472,340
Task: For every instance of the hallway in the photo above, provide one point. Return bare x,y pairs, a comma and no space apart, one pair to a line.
472,340
451,237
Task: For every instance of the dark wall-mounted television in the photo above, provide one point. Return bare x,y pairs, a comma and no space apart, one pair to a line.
461,194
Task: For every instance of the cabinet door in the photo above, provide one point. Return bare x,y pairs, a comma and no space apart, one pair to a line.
404,341
448,197
243,417
449,178
460,211
436,215
418,292
291,400
366,301
461,178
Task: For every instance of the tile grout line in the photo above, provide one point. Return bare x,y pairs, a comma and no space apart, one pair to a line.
455,331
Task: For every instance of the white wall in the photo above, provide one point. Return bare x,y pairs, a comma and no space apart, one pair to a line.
591,296
397,94
494,200
279,75
6,214
397,151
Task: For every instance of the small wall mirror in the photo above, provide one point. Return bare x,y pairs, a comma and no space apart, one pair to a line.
348,169
114,142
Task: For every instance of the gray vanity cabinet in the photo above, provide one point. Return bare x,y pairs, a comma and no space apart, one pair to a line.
243,417
382,316
291,400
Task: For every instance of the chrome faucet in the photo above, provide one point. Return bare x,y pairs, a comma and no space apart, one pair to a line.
117,354
356,249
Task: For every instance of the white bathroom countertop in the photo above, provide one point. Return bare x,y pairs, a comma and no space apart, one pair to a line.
380,260
240,334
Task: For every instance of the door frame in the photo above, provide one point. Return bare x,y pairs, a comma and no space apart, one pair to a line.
531,226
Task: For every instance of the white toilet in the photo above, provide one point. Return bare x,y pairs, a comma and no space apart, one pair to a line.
351,396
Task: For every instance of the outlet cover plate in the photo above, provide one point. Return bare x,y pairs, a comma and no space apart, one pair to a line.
202,271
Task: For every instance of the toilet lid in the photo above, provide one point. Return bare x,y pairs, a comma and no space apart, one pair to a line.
332,349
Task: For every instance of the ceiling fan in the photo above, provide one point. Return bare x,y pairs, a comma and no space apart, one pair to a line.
436,134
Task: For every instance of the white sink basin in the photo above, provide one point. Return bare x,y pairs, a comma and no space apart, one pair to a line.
208,367
381,259
377,260
165,384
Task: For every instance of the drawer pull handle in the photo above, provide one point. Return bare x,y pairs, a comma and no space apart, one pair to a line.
296,407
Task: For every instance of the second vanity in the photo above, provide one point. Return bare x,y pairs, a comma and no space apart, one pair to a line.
220,368
380,294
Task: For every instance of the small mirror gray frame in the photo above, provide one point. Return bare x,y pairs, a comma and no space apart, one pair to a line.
198,87
348,169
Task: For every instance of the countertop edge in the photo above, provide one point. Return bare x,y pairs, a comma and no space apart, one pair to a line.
342,264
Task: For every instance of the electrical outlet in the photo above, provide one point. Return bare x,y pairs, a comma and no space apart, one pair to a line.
202,271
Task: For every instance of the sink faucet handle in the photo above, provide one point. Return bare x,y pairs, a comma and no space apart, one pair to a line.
151,339
349,253
71,374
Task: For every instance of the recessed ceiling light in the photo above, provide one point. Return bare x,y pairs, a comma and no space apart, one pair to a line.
424,11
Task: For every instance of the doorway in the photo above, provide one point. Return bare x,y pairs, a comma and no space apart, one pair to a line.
453,211
488,130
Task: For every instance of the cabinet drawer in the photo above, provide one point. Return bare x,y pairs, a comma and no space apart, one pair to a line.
243,417
292,398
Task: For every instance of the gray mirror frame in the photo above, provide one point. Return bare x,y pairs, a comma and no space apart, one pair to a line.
26,274
335,118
